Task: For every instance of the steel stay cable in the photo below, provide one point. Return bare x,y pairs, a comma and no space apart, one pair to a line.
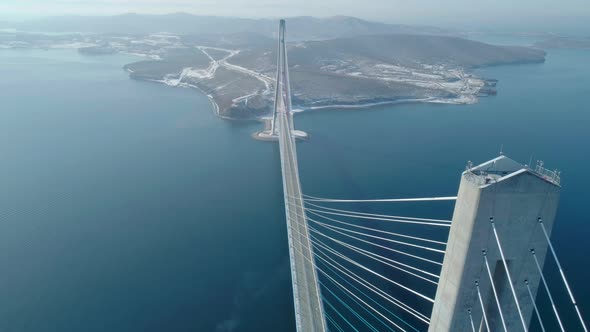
524,324
385,278
344,288
483,308
371,287
526,282
383,247
367,296
384,219
333,322
339,314
420,199
547,290
374,289
567,286
378,292
370,255
485,258
386,248
357,315
376,215
324,261
381,238
379,230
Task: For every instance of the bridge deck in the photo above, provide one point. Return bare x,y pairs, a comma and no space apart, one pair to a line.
308,306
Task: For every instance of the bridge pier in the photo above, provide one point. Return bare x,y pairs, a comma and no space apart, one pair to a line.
509,197
267,135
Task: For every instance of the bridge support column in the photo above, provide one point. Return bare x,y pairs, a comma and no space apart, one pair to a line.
515,196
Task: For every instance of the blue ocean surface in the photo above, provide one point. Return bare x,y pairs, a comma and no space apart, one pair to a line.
129,206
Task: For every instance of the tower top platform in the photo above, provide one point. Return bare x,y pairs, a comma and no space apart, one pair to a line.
502,168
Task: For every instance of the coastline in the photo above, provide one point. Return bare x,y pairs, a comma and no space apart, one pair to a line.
462,100
457,99
265,120
366,105
216,109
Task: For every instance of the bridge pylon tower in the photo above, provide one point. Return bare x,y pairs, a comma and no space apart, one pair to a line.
282,102
488,266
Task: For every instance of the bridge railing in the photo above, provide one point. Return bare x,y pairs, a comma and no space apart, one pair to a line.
547,174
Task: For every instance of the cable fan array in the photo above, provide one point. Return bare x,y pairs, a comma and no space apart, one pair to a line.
377,272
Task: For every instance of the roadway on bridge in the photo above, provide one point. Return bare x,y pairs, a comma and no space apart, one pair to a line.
308,305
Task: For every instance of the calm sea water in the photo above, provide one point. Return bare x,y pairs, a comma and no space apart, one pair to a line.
128,206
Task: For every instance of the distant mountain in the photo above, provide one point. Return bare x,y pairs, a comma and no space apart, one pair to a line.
345,26
300,28
407,50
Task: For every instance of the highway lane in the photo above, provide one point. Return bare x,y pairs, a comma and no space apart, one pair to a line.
306,292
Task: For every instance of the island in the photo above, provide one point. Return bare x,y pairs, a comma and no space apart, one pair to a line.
338,62
351,72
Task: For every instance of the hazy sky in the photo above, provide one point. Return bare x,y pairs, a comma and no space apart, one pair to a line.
405,11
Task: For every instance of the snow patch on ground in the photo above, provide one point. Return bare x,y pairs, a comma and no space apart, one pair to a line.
144,55
453,81
267,81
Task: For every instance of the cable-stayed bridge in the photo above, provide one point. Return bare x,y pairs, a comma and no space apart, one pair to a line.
308,305
359,271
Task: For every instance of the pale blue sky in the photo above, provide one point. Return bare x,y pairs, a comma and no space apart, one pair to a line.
404,11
